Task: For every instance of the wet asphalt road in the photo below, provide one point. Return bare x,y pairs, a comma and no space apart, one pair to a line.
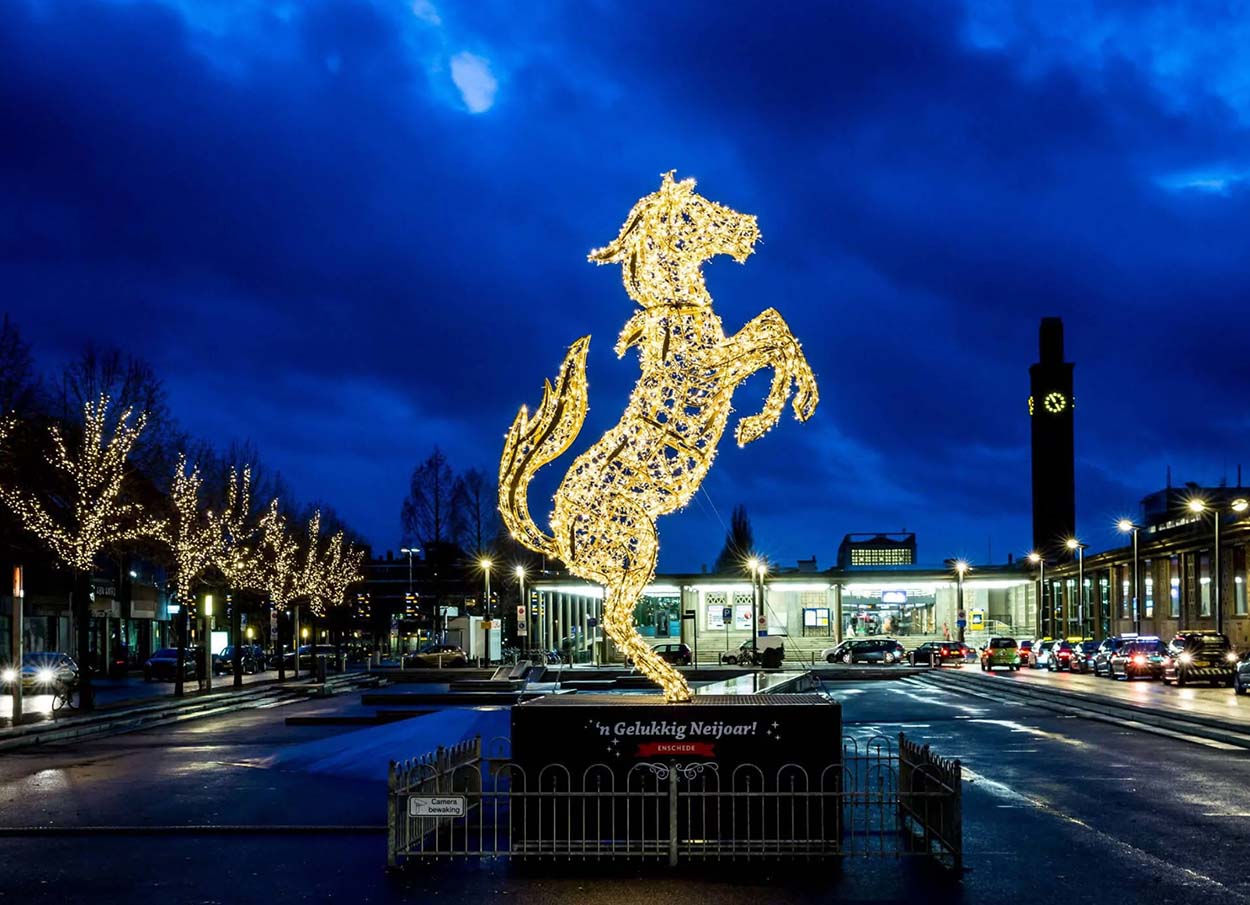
1090,811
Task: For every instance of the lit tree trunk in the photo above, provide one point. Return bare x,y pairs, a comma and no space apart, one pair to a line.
235,632
82,615
180,665
281,657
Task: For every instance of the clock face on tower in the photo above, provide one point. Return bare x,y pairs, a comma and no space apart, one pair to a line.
1055,402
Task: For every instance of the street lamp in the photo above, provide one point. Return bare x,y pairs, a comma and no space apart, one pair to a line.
1198,506
757,570
1126,525
961,617
486,564
1073,544
1036,559
409,551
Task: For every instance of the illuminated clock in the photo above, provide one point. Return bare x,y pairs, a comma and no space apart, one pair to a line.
1055,402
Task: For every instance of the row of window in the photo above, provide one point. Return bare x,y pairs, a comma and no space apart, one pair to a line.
1176,572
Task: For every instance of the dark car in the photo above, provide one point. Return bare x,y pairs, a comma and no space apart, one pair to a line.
677,654
935,653
163,665
286,659
866,650
1082,659
768,652
251,656
309,652
436,656
1107,648
1241,679
1060,656
41,670
1200,657
1024,647
1140,657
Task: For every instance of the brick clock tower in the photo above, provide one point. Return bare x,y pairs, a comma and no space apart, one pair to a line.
1054,461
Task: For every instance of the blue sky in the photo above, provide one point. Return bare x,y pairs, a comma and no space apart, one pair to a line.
351,231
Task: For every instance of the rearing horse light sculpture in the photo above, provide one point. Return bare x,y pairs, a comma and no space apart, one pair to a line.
652,462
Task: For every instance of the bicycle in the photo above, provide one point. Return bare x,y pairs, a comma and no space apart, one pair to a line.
63,697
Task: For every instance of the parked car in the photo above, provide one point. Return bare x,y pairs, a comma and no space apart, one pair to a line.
999,652
677,654
768,652
286,659
162,666
1140,657
1200,657
1082,659
1024,647
936,653
1107,649
1060,656
1241,679
436,656
865,650
1039,654
309,652
252,659
42,669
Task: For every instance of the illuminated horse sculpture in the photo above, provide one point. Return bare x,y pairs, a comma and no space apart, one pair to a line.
652,462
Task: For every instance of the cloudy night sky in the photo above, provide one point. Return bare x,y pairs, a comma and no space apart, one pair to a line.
351,231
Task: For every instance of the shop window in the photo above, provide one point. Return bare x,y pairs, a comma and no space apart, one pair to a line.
1204,584
1174,587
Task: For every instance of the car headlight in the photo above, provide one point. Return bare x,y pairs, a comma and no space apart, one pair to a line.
1230,657
1186,658
9,675
45,676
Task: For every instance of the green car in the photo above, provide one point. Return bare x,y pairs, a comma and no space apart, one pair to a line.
1000,652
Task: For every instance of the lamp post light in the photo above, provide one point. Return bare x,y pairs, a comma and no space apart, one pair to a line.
1036,559
409,551
1199,506
961,617
1126,525
1073,544
485,563
756,568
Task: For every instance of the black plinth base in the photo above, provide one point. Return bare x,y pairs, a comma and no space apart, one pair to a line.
619,731
632,770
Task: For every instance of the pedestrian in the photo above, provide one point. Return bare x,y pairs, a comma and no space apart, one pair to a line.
946,632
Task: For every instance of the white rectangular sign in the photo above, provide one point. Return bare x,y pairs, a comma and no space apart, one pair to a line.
440,806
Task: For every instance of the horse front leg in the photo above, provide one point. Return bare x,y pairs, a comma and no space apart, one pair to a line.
766,341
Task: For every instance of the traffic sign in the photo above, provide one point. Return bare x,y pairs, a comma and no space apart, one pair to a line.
961,623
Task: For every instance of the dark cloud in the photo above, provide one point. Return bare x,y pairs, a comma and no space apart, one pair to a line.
291,212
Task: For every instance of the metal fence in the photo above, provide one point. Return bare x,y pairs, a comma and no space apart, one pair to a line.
885,799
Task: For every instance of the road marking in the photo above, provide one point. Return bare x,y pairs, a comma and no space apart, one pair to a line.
1166,868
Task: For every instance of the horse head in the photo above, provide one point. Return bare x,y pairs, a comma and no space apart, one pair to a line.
666,238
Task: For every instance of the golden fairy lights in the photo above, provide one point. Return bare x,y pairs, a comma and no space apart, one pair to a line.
195,538
95,511
653,461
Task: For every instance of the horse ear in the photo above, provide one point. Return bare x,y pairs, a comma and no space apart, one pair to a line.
616,251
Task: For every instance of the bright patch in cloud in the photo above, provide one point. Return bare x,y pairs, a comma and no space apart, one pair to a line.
474,80
425,11
1215,181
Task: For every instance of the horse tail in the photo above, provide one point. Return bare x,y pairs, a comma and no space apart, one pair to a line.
532,442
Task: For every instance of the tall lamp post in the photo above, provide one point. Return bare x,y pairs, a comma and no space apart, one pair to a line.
756,570
1127,525
1037,560
486,564
408,598
1199,506
1073,544
961,617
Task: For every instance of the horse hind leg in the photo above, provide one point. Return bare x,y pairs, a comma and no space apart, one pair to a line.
618,621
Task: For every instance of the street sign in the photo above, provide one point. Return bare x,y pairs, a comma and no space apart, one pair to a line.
961,623
522,629
726,615
436,806
591,621
688,614
520,614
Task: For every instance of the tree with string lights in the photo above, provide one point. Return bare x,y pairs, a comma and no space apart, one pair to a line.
88,509
239,559
198,540
279,576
